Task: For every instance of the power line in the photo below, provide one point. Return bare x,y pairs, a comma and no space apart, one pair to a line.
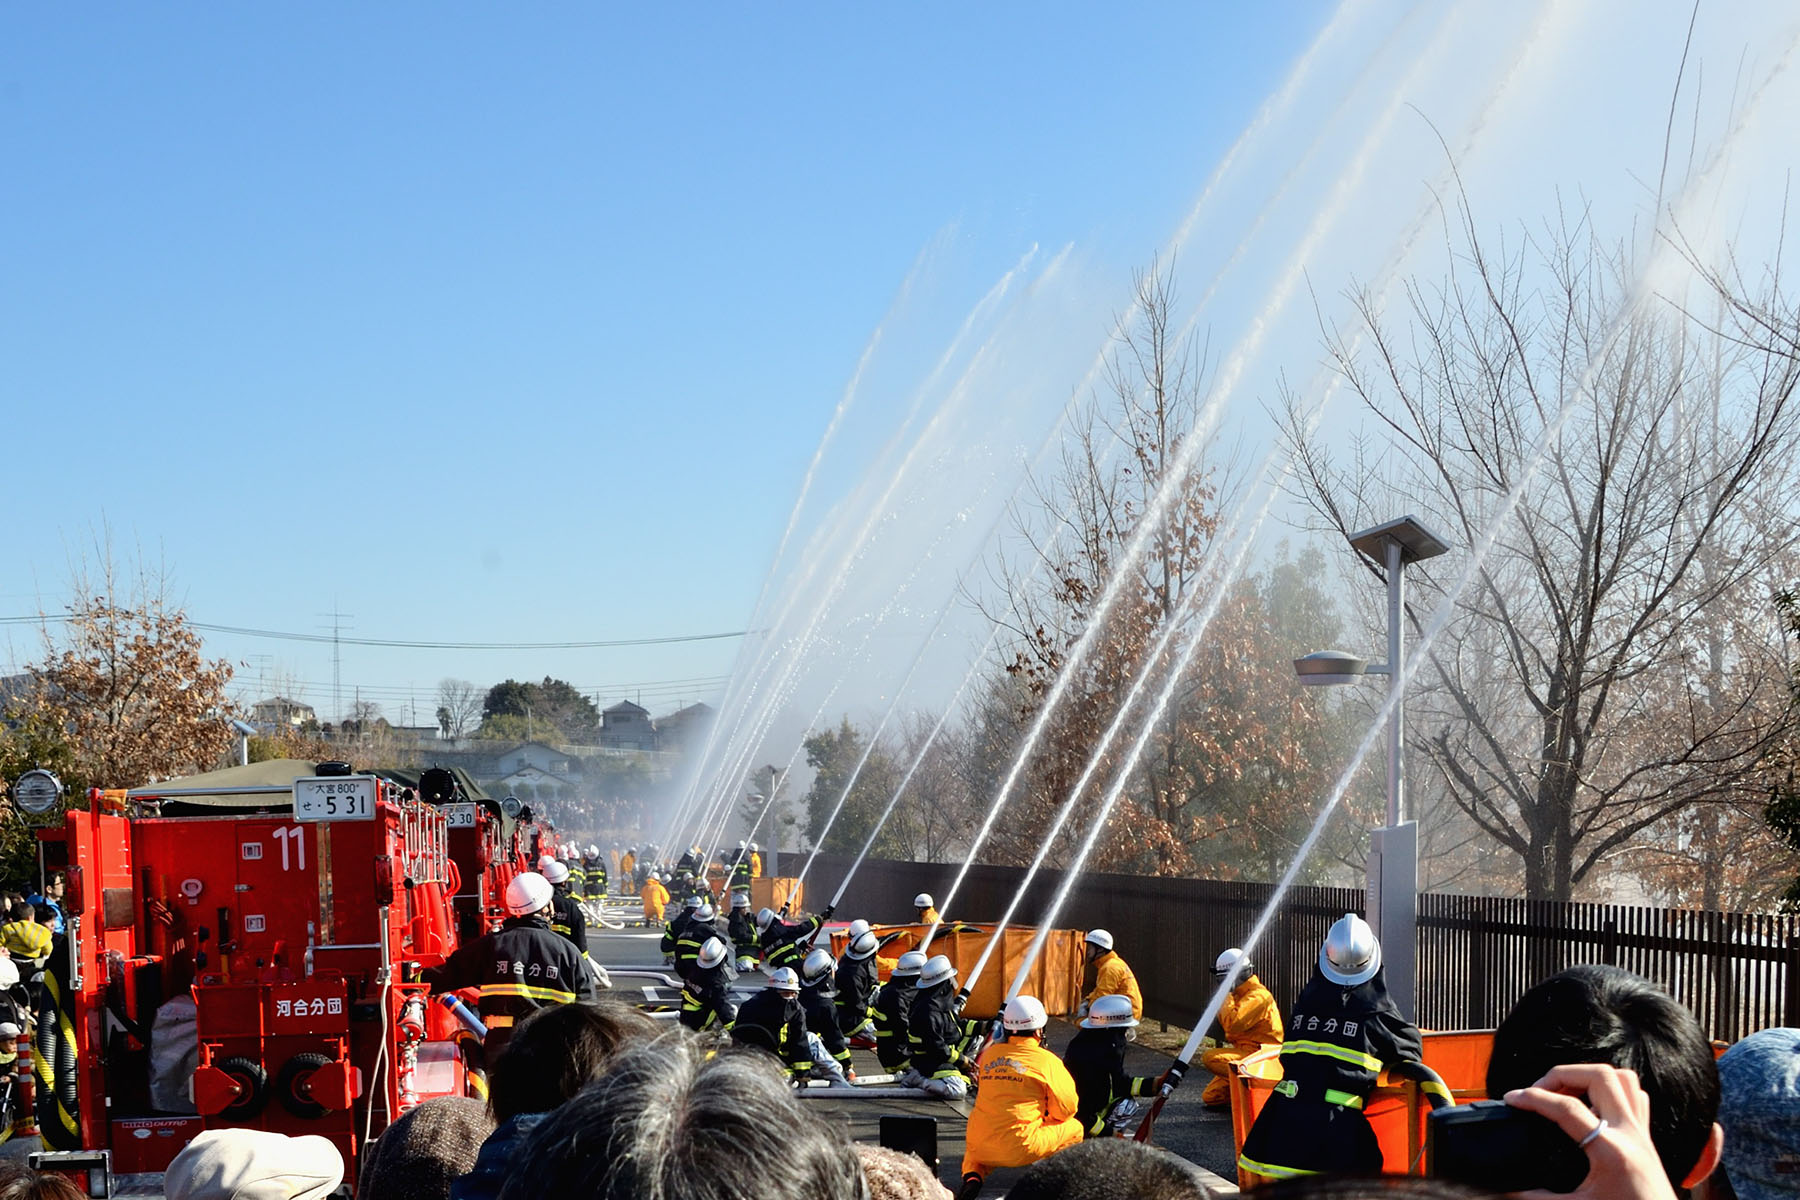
396,644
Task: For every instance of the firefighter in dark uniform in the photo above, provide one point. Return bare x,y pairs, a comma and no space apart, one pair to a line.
740,869
1344,1031
594,880
1096,1060
741,927
519,968
773,1020
818,999
856,981
671,934
785,944
566,916
694,934
892,1008
706,996
938,1039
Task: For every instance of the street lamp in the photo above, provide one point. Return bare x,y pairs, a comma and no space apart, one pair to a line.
1393,870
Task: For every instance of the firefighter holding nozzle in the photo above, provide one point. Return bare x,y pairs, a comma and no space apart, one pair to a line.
1346,1028
519,968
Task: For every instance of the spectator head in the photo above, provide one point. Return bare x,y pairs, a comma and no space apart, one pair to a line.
249,1164
1595,1014
667,1122
56,885
1111,1169
893,1175
44,914
559,1050
1759,1107
27,1184
418,1155
20,910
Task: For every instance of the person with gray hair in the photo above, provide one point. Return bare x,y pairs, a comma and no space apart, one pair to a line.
668,1121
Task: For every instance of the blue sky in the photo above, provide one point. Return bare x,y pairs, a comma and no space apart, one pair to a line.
502,326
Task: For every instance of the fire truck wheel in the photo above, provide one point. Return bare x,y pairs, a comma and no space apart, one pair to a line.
293,1085
254,1079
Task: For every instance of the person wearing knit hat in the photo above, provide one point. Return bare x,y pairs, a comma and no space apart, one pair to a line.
250,1164
893,1175
418,1155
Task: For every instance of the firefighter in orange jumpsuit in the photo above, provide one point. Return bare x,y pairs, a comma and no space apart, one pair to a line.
1250,1021
1025,1103
1111,976
655,897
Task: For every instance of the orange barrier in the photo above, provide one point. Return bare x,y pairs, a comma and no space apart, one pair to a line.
1396,1110
774,892
1055,978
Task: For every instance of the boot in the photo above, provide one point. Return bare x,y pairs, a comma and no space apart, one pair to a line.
971,1187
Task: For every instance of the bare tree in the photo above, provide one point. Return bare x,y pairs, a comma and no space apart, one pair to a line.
1606,671
459,707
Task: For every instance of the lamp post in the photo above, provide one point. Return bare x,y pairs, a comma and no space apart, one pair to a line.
1393,868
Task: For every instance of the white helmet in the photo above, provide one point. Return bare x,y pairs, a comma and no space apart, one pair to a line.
909,964
936,970
9,973
631,849
1225,962
705,913
593,850
817,966
862,945
1023,1014
746,963
740,844
712,953
1351,954
1100,938
922,900
667,878
785,980
528,893
545,860
753,847
858,927
740,899
764,918
554,871
692,902
1110,1012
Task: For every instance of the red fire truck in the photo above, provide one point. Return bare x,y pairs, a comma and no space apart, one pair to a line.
241,952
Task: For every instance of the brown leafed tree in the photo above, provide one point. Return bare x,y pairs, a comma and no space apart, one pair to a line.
127,683
1239,760
1606,676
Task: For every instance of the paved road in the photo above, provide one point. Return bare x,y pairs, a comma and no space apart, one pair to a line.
1185,1126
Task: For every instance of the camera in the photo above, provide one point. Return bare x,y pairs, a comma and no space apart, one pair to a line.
1493,1146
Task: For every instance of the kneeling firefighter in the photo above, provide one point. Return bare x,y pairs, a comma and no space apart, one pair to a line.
938,1039
773,1020
519,968
892,1012
1096,1061
1026,1103
1346,1028
706,995
1249,1020
830,1051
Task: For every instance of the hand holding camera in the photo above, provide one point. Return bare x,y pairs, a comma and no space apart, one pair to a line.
1612,1128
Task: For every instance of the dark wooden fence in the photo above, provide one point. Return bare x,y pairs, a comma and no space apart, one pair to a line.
1738,972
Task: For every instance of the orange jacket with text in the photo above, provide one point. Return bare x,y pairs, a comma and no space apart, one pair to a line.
1024,1108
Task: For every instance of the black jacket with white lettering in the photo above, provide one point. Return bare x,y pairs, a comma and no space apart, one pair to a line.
518,969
